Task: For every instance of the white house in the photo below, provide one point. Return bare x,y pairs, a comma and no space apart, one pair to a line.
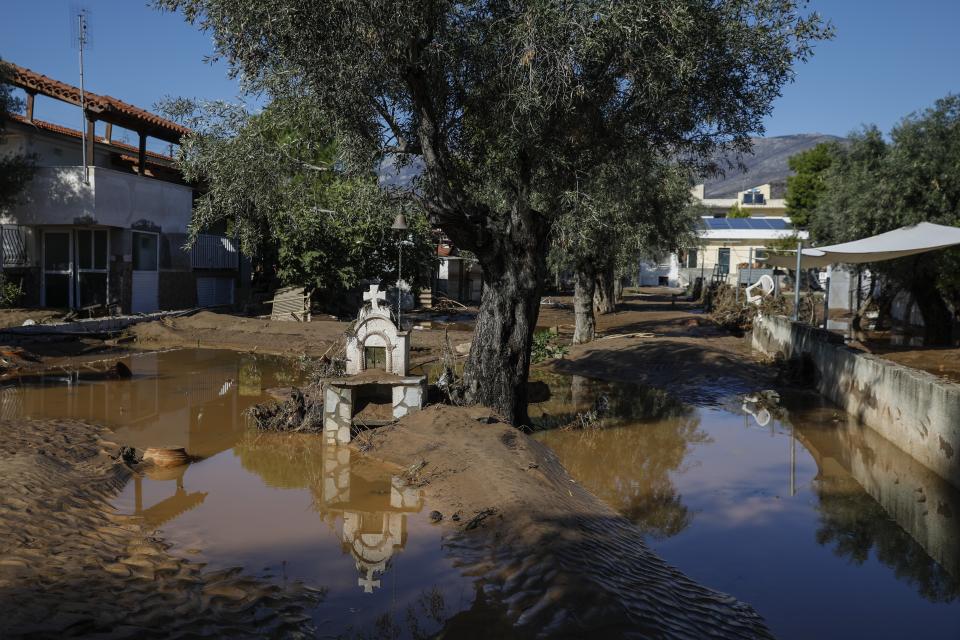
106,231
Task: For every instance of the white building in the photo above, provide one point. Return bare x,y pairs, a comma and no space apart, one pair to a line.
109,236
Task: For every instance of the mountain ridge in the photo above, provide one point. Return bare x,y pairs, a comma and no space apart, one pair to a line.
767,163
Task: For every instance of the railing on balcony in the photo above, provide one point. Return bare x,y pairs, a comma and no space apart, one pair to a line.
13,246
214,252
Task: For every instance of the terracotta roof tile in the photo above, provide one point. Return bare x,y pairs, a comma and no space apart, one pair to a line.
105,108
43,125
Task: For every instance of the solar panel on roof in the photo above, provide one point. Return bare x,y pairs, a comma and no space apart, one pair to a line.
716,223
741,223
778,224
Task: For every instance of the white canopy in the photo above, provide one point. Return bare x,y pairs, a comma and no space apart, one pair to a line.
905,241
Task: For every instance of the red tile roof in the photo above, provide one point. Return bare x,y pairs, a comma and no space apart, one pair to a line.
103,108
43,125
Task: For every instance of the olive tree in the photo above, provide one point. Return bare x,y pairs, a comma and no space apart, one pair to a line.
16,169
276,180
872,186
624,210
505,102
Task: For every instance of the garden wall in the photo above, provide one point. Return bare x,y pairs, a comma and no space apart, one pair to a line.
916,411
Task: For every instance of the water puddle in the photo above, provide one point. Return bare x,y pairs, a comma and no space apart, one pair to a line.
821,524
282,506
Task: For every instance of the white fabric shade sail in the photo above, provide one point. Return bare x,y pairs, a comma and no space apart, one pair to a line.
899,243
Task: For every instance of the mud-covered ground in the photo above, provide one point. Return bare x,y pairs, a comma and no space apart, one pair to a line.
70,566
660,340
564,563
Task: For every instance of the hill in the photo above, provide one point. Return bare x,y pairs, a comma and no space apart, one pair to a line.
768,163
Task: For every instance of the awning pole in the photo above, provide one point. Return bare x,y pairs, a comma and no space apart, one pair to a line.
796,284
826,297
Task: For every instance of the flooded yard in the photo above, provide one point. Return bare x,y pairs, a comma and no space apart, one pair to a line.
823,526
282,507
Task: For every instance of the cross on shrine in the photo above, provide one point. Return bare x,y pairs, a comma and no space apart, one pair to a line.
368,584
375,297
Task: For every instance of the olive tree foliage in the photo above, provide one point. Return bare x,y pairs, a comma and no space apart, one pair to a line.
504,103
873,186
275,179
16,169
806,184
624,211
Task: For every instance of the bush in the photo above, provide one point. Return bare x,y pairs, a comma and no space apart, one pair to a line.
546,347
10,292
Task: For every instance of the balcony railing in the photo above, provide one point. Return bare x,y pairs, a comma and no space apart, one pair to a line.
214,252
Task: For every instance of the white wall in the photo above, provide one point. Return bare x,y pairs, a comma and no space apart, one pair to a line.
58,195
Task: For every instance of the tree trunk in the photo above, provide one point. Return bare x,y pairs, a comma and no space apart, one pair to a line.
584,288
605,298
497,369
937,322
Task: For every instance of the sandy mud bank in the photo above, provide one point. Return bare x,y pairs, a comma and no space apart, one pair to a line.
69,566
562,562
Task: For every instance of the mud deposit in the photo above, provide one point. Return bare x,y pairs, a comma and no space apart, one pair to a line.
823,526
70,566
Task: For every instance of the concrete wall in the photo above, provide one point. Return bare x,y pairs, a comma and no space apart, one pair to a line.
58,195
916,411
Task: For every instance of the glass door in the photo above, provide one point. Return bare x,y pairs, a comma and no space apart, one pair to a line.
92,250
57,269
723,260
146,274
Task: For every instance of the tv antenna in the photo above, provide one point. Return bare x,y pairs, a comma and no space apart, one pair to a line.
80,23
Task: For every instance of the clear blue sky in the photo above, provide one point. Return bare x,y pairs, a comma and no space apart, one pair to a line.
889,57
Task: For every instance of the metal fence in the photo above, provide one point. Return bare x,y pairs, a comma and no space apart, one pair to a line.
214,252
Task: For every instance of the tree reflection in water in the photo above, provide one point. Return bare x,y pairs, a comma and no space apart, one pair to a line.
853,524
628,458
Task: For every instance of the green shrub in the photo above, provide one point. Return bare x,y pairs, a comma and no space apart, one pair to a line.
10,292
546,347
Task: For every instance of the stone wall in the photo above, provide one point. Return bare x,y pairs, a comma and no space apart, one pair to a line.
916,411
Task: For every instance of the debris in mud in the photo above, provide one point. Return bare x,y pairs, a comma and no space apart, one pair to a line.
731,311
478,519
412,474
592,418
166,457
300,413
129,456
436,516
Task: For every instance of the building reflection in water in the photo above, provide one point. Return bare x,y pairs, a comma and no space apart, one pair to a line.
186,398
364,503
374,510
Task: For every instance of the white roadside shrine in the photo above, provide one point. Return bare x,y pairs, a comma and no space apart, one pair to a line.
377,388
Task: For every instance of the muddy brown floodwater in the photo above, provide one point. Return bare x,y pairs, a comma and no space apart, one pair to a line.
817,522
823,526
281,507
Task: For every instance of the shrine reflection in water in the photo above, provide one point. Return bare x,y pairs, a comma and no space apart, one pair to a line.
825,527
282,506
